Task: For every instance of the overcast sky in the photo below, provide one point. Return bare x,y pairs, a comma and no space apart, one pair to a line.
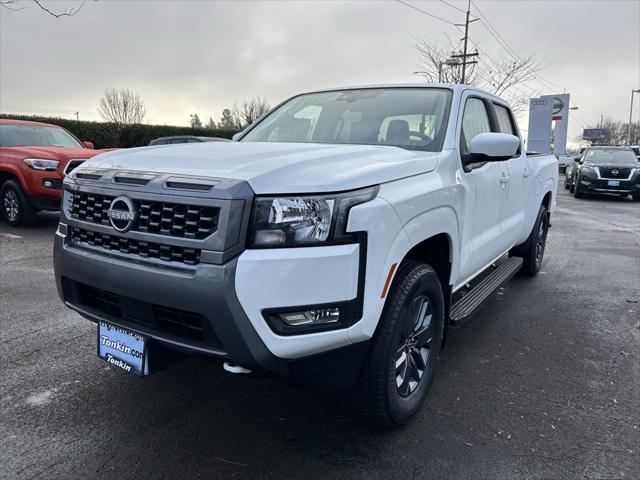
186,57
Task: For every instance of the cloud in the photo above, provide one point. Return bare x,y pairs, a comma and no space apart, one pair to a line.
197,56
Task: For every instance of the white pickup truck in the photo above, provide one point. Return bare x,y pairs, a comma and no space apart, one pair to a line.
332,243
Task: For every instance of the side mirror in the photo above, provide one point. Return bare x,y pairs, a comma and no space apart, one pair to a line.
493,147
89,145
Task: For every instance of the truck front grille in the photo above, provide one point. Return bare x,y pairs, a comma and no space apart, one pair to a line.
162,218
129,246
72,165
166,320
613,172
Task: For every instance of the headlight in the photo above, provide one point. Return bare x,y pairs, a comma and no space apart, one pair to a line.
588,171
40,164
304,220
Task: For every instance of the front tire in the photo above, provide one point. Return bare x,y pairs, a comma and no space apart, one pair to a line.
15,205
403,353
576,190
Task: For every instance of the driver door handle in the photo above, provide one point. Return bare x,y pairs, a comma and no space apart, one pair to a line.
525,173
504,178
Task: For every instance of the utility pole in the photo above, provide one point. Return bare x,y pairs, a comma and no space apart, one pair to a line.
77,114
466,38
601,119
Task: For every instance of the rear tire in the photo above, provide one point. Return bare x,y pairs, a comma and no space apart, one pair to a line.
403,352
15,205
532,251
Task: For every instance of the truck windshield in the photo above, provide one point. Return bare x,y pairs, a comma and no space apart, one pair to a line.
411,118
36,136
610,156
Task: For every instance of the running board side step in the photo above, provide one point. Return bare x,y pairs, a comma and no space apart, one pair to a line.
468,304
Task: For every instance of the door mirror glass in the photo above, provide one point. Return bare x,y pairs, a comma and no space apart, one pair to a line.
491,146
89,145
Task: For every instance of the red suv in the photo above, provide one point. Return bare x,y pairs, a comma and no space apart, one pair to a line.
34,157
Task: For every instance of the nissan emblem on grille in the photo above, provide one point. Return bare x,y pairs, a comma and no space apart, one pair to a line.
614,172
122,214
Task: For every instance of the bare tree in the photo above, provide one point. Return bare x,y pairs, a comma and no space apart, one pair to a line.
250,110
13,5
211,124
616,132
122,106
227,121
501,79
432,53
195,121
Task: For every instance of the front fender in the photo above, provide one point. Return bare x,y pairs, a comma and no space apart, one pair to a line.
16,171
389,241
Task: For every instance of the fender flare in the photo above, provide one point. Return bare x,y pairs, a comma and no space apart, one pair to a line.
8,168
442,220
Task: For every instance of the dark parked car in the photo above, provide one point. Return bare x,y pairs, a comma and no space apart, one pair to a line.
186,139
605,169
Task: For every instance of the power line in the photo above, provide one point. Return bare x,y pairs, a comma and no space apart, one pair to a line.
503,43
494,65
425,12
453,6
491,29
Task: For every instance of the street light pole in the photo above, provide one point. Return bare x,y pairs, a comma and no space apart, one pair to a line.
631,116
450,62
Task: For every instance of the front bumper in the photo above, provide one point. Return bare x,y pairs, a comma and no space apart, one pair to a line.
604,185
41,196
217,309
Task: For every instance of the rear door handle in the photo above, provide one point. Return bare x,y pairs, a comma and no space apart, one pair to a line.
525,173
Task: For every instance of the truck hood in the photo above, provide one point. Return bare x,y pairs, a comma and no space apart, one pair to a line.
275,167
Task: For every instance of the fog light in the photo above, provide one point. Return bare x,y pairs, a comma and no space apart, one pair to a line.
312,317
47,184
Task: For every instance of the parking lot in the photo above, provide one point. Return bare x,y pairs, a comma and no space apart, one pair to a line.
541,383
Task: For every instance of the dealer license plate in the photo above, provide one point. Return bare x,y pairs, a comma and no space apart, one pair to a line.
123,349
614,183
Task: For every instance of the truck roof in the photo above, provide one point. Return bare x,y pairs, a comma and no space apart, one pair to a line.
456,88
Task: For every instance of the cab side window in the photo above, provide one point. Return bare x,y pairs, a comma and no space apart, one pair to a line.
505,123
475,120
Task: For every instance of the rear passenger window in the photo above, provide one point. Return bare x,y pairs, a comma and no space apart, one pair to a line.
505,124
475,120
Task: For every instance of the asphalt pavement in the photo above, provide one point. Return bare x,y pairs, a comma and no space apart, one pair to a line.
543,382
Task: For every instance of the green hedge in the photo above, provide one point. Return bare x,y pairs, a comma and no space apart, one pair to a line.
107,135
